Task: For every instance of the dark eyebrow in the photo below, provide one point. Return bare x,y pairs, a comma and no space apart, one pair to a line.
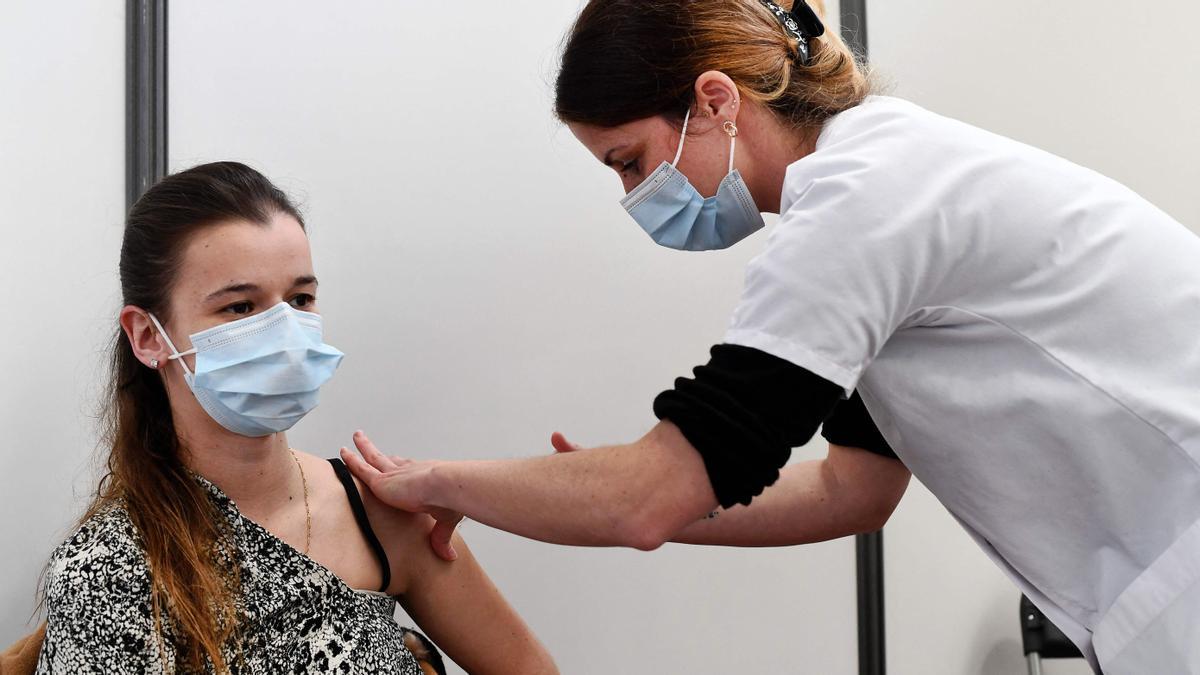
608,160
246,287
233,288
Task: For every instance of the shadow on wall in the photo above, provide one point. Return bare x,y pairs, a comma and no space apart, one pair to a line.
1004,658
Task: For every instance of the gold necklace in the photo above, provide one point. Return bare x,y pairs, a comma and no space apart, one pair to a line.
307,513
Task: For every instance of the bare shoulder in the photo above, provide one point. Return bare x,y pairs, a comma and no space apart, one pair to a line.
403,535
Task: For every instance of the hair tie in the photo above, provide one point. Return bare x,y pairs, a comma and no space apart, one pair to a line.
800,24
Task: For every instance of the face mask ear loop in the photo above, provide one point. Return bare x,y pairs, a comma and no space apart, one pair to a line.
679,152
732,130
175,353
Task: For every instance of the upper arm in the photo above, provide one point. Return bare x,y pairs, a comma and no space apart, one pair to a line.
97,602
462,611
455,604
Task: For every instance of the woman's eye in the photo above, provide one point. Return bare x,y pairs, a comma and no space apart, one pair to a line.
303,300
240,308
626,167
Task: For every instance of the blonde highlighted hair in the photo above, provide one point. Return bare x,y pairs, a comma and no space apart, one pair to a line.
625,60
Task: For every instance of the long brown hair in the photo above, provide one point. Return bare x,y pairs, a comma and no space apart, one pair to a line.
625,60
193,573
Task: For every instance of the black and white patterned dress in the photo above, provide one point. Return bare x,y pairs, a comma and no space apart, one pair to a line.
297,616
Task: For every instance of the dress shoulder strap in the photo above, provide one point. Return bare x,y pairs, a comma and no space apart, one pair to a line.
360,515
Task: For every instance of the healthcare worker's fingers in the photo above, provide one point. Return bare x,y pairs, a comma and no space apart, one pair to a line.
365,472
393,488
440,537
561,444
372,454
400,488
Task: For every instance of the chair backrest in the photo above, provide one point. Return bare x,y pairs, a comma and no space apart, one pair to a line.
1040,636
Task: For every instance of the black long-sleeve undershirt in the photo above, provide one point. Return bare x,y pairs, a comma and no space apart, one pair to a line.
851,425
745,410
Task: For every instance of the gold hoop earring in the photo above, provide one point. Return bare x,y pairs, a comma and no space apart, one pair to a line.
730,128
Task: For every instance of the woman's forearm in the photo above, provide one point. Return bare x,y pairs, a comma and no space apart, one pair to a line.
850,492
636,495
798,509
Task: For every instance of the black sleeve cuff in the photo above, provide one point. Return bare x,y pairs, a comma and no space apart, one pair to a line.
743,412
851,425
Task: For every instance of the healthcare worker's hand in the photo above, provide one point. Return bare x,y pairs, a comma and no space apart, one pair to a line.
401,483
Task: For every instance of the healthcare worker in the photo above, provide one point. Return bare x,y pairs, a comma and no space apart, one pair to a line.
1022,333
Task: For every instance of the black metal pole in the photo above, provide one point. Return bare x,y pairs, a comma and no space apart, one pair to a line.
872,648
145,95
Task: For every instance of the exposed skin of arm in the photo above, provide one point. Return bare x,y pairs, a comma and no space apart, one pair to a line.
851,491
455,604
637,495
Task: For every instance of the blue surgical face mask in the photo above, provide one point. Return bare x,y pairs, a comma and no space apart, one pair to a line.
261,374
674,214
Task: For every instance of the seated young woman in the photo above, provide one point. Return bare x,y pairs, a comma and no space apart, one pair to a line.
211,545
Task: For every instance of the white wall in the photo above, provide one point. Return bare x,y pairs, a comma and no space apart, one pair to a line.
62,194
488,289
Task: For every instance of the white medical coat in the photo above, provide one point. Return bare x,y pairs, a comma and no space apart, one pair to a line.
1026,335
